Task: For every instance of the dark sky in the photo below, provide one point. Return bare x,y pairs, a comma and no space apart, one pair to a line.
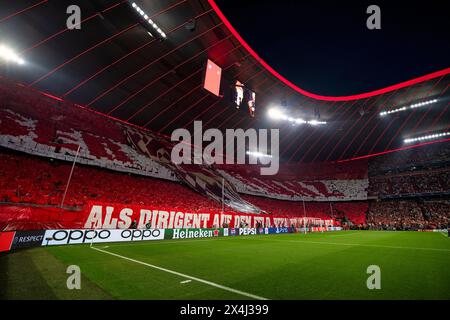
325,46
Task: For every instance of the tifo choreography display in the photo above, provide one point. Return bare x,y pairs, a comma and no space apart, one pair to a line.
326,188
149,152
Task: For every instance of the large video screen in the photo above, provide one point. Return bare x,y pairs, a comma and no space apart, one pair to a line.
239,94
243,97
251,102
212,79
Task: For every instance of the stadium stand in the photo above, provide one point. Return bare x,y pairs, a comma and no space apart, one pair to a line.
408,215
428,156
424,182
413,186
54,129
309,182
39,125
33,180
353,211
409,173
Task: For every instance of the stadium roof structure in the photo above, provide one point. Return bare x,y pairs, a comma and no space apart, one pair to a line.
117,65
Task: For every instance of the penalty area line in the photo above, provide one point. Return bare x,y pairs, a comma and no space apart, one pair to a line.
361,245
212,284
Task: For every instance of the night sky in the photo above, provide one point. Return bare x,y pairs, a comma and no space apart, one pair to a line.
326,48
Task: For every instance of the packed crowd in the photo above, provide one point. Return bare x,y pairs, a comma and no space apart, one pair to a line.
297,187
25,179
354,211
43,126
418,171
408,215
40,181
35,124
411,159
422,182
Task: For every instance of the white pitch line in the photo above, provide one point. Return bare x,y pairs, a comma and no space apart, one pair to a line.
362,245
212,284
342,235
134,243
185,281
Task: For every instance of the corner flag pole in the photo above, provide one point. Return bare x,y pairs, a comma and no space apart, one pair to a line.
223,190
70,177
223,196
331,210
304,213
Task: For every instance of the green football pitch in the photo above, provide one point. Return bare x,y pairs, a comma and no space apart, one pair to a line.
413,265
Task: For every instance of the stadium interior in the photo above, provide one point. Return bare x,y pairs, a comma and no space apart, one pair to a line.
86,117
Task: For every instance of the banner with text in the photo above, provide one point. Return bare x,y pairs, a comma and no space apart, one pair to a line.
117,216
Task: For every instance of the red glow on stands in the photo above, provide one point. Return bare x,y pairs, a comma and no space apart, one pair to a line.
357,134
180,114
182,97
394,150
336,110
142,68
313,95
405,122
170,71
344,136
88,109
83,53
51,96
22,11
123,57
373,116
428,110
66,29
217,114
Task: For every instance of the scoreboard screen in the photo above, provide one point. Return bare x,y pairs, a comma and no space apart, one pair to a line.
239,93
251,102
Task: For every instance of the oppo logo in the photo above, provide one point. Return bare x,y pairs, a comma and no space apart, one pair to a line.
70,236
104,235
140,234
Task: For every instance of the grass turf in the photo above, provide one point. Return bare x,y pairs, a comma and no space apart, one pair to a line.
413,265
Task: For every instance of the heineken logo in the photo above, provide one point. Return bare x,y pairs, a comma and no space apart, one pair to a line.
193,233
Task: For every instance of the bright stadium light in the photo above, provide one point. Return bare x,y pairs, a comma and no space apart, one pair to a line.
9,55
316,123
150,21
277,114
412,106
427,137
258,154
